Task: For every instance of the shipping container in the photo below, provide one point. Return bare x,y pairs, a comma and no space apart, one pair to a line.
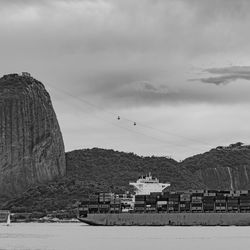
244,203
185,197
162,198
155,194
104,205
244,197
233,200
165,194
173,202
198,192
185,206
208,207
139,205
115,205
151,199
139,197
160,203
220,208
240,192
210,193
93,197
93,206
232,208
139,202
115,201
104,209
196,197
115,210
163,208
150,209
174,199
220,201
196,202
196,209
173,207
208,198
139,209
85,202
93,210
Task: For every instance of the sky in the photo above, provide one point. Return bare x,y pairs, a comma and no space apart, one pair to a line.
180,69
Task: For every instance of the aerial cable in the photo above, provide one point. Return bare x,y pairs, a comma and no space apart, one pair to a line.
130,130
135,123
142,125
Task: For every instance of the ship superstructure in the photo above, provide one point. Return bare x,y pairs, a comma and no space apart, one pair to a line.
148,184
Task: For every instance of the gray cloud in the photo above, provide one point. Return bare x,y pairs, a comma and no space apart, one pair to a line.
227,74
129,55
149,87
114,51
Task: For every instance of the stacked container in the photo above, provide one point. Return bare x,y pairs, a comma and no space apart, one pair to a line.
104,208
232,203
139,203
244,202
220,203
208,200
162,202
150,201
93,208
173,202
93,203
162,205
105,198
196,201
115,205
185,200
94,199
84,206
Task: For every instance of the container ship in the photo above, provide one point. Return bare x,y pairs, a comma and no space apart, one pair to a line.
154,205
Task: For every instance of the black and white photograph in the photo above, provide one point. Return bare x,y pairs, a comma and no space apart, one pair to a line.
124,124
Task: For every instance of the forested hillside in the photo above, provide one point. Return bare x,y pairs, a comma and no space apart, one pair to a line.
98,170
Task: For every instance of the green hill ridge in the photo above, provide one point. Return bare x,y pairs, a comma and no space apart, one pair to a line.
96,170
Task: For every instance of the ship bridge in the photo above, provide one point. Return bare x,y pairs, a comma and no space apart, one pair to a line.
147,184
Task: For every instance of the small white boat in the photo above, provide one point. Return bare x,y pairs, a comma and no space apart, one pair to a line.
8,220
5,216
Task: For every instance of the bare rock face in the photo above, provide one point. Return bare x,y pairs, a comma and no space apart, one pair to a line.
224,168
31,143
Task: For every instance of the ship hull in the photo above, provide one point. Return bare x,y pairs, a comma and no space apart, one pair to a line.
168,219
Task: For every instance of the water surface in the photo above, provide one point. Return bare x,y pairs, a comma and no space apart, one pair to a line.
74,236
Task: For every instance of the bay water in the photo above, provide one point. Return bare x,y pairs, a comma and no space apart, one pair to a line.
78,236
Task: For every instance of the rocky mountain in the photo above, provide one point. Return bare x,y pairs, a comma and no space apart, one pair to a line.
222,167
31,143
98,170
34,171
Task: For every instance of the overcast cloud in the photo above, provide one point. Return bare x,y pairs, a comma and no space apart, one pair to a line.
125,56
227,74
